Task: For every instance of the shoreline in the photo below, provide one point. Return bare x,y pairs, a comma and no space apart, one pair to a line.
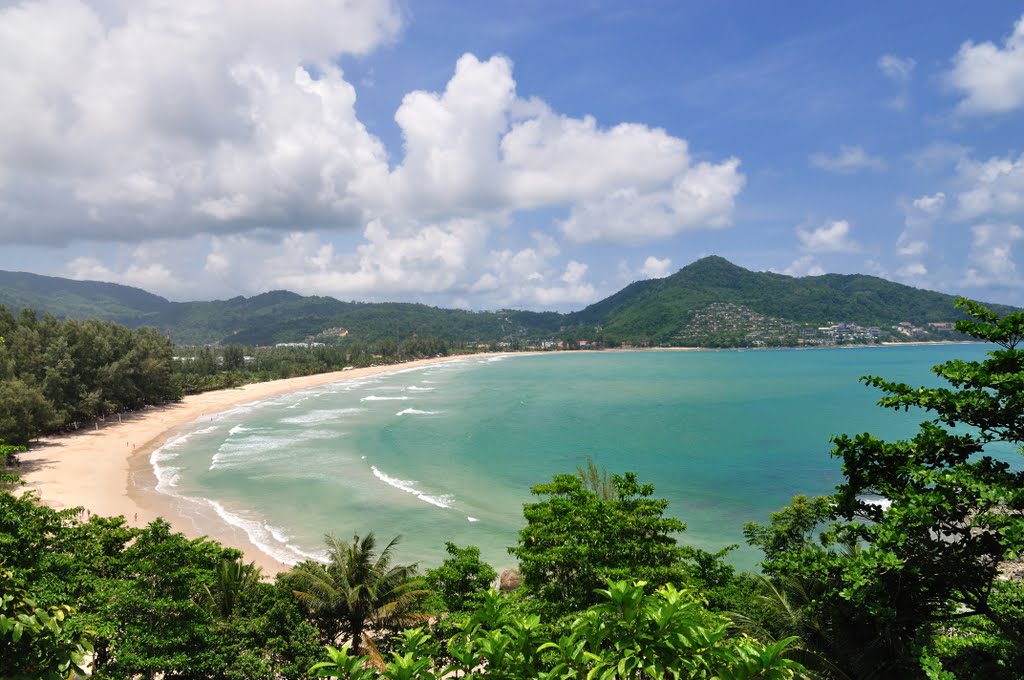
106,469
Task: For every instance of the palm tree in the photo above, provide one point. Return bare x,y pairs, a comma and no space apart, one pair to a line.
233,577
357,591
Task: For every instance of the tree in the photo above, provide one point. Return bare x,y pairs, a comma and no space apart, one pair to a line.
233,578
35,643
574,540
954,515
626,634
234,358
462,579
357,590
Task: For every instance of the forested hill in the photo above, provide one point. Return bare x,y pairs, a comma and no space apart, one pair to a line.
692,306
658,308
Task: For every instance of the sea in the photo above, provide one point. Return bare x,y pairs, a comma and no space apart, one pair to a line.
449,451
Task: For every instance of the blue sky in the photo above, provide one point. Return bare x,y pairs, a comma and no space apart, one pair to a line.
520,154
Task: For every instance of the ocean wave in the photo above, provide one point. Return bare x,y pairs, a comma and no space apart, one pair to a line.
444,501
238,429
320,416
416,412
414,388
267,538
472,519
374,397
234,452
883,503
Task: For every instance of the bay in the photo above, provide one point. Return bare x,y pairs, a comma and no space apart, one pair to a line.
449,452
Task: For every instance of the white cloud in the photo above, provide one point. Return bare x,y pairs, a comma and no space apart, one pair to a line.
804,265
479,147
528,277
831,237
912,270
848,159
227,134
654,268
170,119
990,260
702,197
921,215
899,69
990,78
991,188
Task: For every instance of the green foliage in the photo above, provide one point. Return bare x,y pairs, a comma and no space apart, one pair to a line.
645,312
656,310
462,580
152,601
574,541
626,634
886,578
54,375
358,591
34,642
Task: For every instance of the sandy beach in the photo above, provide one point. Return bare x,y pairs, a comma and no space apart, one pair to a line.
106,470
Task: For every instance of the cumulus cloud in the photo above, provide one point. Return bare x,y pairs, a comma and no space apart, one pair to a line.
921,215
229,129
849,159
992,187
528,276
990,78
831,237
913,270
990,260
805,265
479,146
654,268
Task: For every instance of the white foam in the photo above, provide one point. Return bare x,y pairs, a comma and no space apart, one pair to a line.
264,536
321,416
416,412
239,429
167,476
278,533
376,398
247,450
883,503
472,519
444,501
414,388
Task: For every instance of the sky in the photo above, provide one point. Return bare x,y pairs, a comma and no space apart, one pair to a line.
525,154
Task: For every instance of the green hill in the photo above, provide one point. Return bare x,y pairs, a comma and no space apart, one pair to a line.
659,309
696,302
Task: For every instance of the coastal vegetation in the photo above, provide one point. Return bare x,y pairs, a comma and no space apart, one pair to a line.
907,570
709,303
59,375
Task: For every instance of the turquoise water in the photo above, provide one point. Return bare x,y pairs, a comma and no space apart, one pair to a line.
449,452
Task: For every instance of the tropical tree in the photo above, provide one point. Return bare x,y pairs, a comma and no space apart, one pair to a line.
35,643
930,556
626,634
462,579
574,540
233,578
358,592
